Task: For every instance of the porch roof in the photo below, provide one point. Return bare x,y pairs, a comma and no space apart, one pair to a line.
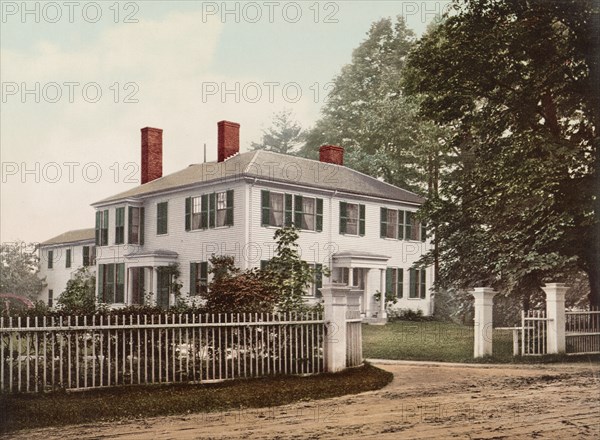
157,257
364,259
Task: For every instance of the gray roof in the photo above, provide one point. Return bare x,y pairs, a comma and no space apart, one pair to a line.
72,236
277,168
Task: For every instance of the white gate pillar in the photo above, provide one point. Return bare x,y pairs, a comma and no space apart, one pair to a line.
335,303
555,312
484,303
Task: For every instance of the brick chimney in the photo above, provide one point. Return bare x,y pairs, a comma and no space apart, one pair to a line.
229,139
331,154
151,154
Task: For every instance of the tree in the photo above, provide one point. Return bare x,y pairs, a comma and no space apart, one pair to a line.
79,297
19,268
516,83
369,115
287,273
232,290
285,136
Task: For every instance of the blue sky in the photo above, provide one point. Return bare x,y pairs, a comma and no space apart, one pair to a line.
174,63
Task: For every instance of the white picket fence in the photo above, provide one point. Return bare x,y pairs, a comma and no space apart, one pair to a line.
582,332
41,354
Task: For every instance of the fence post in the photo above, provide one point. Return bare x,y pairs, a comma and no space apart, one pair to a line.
555,312
484,302
335,303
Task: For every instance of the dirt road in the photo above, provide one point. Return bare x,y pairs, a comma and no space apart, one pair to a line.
423,402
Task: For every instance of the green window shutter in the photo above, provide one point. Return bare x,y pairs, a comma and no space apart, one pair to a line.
265,207
212,210
105,228
318,279
98,220
68,258
319,218
423,289
361,220
400,283
162,215
412,289
229,212
86,256
129,223
204,213
193,276
423,231
120,225
343,217
288,210
50,259
388,280
298,211
120,283
109,285
142,224
408,225
383,223
188,213
100,282
203,276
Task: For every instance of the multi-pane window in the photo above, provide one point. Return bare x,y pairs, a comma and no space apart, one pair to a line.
308,213
352,219
136,225
198,278
394,281
102,228
119,225
162,213
357,277
89,256
68,258
50,259
418,287
402,225
111,283
209,211
277,209
315,287
50,298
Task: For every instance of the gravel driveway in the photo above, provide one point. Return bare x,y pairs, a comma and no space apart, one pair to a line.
423,401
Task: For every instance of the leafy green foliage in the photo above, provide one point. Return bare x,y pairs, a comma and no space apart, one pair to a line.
285,136
19,268
79,296
234,291
516,83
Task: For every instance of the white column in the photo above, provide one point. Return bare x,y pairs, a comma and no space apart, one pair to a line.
154,285
128,293
350,277
335,303
365,298
484,302
382,312
555,311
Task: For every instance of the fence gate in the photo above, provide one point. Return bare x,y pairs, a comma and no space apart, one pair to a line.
582,332
354,356
534,333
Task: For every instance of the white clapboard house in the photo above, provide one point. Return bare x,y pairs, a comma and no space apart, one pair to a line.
363,229
61,257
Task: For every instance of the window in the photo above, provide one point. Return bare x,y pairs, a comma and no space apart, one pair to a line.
102,228
50,298
352,219
120,226
136,226
50,259
276,209
162,212
68,258
418,287
402,225
357,277
394,278
198,278
111,283
317,283
308,213
89,256
209,211
137,284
